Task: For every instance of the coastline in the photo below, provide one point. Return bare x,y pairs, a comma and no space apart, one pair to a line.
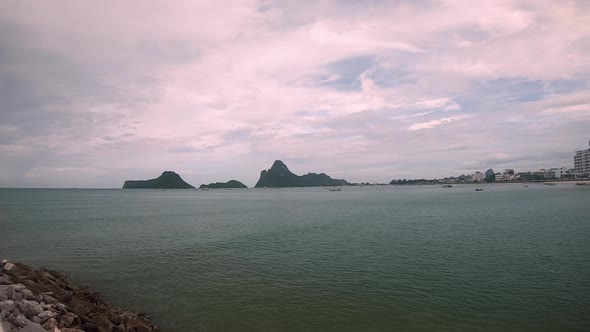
38,299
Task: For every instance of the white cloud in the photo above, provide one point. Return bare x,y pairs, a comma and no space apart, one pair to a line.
435,123
580,109
118,83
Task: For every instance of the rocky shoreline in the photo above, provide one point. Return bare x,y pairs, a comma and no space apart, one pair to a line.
38,300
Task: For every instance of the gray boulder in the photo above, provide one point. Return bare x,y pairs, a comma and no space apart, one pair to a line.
30,308
27,294
8,305
5,279
45,315
21,321
8,266
68,319
50,323
11,292
33,327
16,295
49,299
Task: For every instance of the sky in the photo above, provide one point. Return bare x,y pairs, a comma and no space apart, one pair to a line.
94,93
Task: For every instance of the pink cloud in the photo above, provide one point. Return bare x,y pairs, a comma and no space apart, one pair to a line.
435,123
216,67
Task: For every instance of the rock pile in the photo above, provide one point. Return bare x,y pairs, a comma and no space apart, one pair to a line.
39,300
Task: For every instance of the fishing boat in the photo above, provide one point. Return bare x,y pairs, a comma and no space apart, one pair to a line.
447,186
335,189
549,184
580,183
478,189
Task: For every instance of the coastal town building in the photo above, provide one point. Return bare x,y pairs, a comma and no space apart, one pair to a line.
529,176
508,175
582,162
568,174
490,176
581,170
478,177
558,173
545,173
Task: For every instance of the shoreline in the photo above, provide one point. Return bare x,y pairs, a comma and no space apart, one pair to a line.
38,299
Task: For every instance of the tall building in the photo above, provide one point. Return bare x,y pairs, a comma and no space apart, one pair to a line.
490,176
478,176
582,162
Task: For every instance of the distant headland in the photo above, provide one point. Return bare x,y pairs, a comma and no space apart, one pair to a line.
231,184
168,180
279,175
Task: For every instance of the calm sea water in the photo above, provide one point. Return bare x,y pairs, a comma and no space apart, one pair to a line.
364,259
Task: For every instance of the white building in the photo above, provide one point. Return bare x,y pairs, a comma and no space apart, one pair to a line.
582,162
558,173
479,177
508,175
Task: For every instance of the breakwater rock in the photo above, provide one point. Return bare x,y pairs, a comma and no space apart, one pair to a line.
37,300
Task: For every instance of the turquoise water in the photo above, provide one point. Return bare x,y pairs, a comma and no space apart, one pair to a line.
364,259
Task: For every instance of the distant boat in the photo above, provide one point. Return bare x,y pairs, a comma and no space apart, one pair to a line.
549,184
335,189
478,189
526,186
447,186
580,183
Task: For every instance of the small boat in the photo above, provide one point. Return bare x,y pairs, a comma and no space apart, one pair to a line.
549,184
580,183
335,189
478,189
447,186
526,185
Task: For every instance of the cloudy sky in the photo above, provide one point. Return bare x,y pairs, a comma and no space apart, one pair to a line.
93,93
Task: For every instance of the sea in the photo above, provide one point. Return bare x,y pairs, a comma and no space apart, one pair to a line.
373,258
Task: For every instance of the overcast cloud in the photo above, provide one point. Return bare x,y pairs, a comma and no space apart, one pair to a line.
93,93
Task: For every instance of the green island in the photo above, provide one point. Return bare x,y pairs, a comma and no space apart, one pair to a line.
279,175
231,184
168,180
